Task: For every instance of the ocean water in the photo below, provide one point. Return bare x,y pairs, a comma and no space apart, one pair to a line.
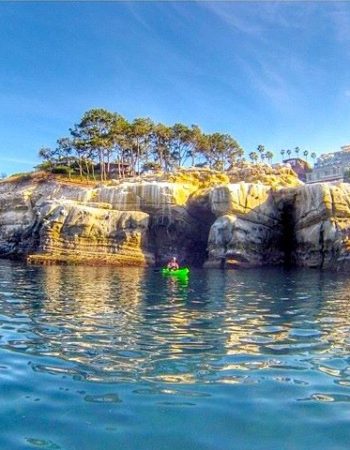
106,358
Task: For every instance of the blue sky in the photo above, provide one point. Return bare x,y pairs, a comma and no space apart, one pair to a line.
271,73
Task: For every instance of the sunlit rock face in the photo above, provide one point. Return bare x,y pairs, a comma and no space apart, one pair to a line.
154,196
200,216
132,223
247,230
171,230
73,232
16,217
277,177
22,213
322,225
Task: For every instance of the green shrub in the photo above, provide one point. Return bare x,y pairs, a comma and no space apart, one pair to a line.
62,170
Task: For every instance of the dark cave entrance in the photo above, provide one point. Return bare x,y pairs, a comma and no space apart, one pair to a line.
184,236
288,242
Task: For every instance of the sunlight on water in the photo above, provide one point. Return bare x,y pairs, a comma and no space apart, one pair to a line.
106,358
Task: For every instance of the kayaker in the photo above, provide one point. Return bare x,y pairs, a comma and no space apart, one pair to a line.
173,264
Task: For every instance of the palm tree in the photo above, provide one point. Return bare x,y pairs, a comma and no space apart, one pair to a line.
283,152
297,150
261,150
306,154
289,151
269,156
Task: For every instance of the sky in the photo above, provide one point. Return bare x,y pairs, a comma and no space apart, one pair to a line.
270,73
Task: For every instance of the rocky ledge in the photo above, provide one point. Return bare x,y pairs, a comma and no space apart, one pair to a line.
249,216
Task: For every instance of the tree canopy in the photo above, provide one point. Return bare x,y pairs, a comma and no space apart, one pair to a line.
104,142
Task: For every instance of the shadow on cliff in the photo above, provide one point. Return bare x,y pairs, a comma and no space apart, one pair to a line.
243,237
262,236
182,235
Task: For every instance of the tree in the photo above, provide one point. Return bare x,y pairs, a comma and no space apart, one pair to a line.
193,143
161,137
313,155
139,134
282,153
93,136
180,143
253,156
47,154
289,151
306,154
220,150
261,151
102,135
269,156
297,150
119,142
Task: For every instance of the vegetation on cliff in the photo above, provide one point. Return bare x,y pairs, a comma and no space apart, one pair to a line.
105,142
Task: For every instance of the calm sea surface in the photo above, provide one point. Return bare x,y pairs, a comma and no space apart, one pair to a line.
103,358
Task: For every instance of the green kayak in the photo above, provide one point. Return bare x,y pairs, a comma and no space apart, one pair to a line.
183,271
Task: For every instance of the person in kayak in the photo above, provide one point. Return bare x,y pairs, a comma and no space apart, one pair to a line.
173,264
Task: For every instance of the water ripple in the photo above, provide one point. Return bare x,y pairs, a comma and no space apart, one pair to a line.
284,336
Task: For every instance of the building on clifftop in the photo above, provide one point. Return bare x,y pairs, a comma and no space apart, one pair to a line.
299,166
331,167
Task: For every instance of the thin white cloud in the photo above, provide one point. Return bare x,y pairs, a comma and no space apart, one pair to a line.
134,11
273,69
232,17
18,161
255,19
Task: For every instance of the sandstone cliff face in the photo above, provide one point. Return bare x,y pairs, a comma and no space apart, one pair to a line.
132,223
199,215
321,221
73,232
247,229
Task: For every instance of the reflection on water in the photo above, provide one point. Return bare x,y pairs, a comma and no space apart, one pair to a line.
287,332
132,324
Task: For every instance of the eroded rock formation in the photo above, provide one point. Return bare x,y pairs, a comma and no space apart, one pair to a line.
202,216
320,218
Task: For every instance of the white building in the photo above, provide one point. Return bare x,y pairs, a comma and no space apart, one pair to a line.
330,167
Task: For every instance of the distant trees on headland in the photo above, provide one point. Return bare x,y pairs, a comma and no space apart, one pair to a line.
104,142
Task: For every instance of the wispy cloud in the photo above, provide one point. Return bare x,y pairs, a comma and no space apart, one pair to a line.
18,161
257,19
274,69
339,16
231,15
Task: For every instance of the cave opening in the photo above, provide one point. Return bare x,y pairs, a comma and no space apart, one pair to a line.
197,245
185,237
288,243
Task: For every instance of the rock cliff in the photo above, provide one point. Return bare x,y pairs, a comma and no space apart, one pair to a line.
319,217
202,216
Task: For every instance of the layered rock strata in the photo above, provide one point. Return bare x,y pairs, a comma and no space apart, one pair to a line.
320,219
203,217
246,229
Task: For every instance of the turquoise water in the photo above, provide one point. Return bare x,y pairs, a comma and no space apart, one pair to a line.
103,358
